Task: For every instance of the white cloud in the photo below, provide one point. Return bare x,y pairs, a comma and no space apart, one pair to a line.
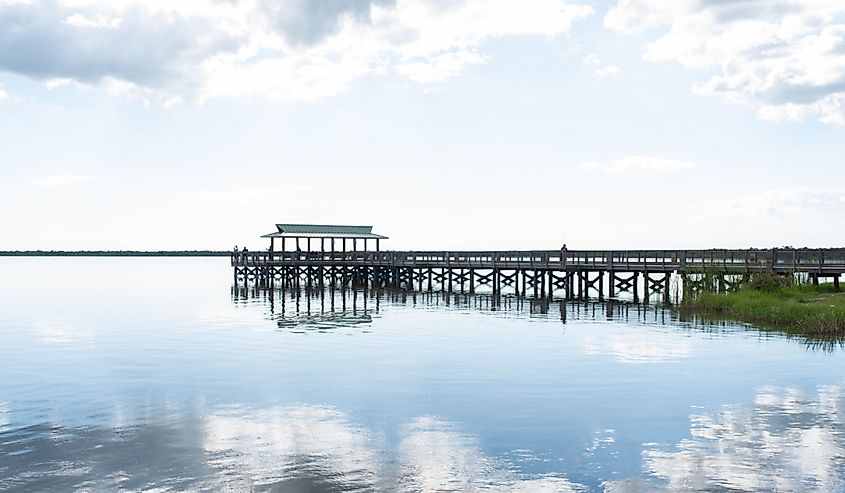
56,83
79,20
784,59
783,203
54,180
297,50
440,67
639,163
592,59
3,94
602,71
608,71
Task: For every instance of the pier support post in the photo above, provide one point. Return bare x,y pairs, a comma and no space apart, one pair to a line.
611,288
636,286
601,285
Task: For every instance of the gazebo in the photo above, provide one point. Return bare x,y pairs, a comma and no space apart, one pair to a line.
322,232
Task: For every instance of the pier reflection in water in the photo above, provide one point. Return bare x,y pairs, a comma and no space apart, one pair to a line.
341,307
113,380
325,308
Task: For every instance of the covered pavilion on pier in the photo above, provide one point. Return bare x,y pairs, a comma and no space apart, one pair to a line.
292,234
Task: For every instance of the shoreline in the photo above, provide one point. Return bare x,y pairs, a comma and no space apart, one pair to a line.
816,312
115,253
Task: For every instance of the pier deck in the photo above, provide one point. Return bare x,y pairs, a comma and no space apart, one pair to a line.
576,272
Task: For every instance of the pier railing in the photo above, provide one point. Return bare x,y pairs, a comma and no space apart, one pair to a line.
821,261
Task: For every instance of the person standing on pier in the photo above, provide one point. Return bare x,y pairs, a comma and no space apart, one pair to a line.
563,255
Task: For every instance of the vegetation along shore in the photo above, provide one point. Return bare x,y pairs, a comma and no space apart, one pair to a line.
779,302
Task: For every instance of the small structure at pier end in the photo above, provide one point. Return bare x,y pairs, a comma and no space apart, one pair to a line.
323,232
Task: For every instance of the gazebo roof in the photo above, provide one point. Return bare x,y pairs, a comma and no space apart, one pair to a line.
323,231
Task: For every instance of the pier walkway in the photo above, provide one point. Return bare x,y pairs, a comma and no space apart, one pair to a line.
575,273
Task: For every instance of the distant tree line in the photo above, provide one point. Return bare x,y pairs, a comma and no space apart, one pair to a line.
115,253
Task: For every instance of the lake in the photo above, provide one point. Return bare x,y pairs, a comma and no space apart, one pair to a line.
155,374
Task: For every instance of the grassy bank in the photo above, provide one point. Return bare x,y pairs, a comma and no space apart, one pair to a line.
813,311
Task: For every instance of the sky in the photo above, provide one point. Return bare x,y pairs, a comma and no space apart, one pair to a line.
445,124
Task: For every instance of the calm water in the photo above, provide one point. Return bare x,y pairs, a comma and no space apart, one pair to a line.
152,374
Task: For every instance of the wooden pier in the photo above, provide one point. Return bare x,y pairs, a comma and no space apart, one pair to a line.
570,273
645,274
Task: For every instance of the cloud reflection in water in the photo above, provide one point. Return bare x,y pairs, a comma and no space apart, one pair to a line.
638,348
318,447
784,441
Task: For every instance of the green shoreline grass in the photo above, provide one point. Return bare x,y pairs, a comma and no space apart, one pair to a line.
812,311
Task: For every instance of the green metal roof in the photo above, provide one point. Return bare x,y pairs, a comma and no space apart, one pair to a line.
323,231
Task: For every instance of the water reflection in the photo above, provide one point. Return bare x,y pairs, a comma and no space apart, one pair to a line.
57,331
307,448
155,386
640,347
163,454
292,449
786,440
335,307
331,308
4,420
